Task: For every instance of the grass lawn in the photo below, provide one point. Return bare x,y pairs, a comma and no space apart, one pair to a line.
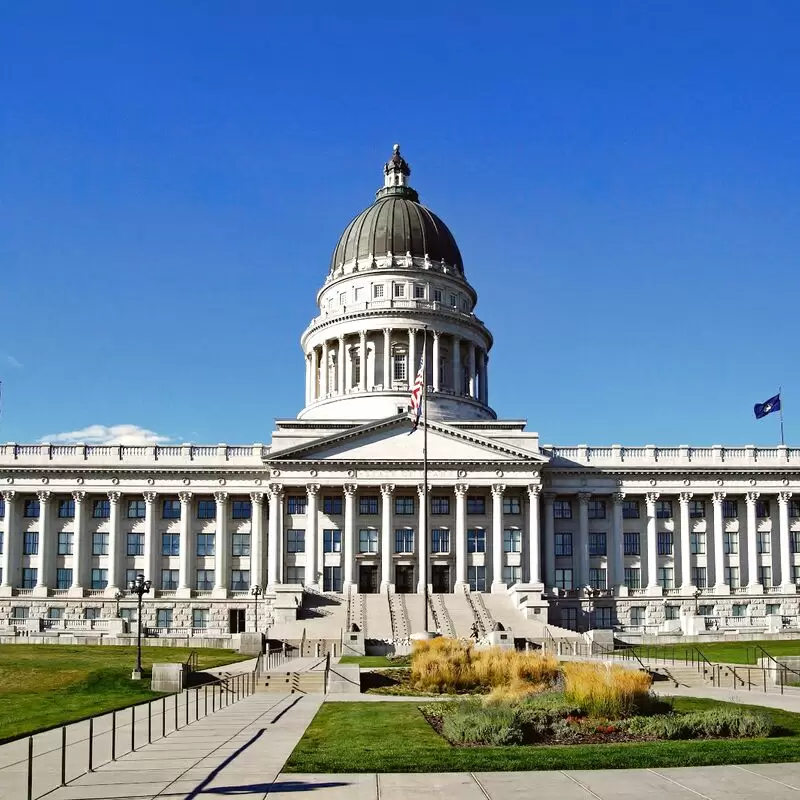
394,737
724,652
369,662
46,685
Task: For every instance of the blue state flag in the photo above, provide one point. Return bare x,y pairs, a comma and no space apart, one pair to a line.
767,407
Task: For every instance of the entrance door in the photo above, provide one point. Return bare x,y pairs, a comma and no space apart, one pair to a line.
367,579
404,579
440,578
236,620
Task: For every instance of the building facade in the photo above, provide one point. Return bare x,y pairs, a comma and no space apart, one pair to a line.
608,536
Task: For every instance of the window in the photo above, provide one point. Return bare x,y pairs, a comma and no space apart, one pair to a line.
597,578
564,578
730,543
368,540
377,291
762,509
332,578
399,290
206,509
331,541
697,509
240,544
773,608
164,618
638,616
730,509
795,541
399,367
206,544
440,540
169,579
332,505
764,542
699,577
630,509
476,577
569,618
99,544
440,506
739,610
631,544
697,543
295,575
171,508
597,509
664,543
663,509
2,543
91,613
562,509
135,544
563,544
55,612
672,612
476,505
453,300
19,612
30,543
342,298
130,575
205,580
136,509
2,507
31,509
241,509
64,543
101,509
99,578
437,295
129,615
295,541
597,544
602,618
666,579
63,578
419,292
476,540
512,540
705,610
794,508
404,540
765,575
66,508
170,544
511,505
512,575
404,505
795,574
732,577
200,618
297,504
240,580
368,505
633,577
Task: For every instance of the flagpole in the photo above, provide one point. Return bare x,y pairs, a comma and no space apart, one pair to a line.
424,515
780,401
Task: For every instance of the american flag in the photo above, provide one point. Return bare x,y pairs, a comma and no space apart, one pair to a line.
416,393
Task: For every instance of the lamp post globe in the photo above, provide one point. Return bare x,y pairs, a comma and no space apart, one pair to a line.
139,587
118,595
256,591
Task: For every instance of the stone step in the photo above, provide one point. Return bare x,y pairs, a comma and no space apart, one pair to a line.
292,682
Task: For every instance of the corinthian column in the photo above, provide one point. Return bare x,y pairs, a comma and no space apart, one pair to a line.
652,543
686,549
617,560
275,500
753,585
257,539
387,490
582,561
422,541
186,546
461,490
498,489
534,537
349,534
46,545
362,355
387,358
435,360
8,560
151,548
222,546
341,365
312,492
78,545
719,546
787,583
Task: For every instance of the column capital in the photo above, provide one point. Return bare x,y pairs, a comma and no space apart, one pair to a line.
362,335
44,495
387,331
150,497
461,489
498,489
534,489
79,495
751,497
9,495
685,497
651,497
257,497
584,498
436,334
421,490
717,497
784,497
312,489
387,490
221,497
276,489
185,497
114,497
618,497
350,489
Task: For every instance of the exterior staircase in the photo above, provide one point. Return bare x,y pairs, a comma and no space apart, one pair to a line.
441,618
401,628
296,676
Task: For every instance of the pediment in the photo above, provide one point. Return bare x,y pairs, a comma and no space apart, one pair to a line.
391,440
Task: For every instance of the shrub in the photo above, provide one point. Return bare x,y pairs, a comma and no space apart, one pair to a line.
715,723
603,690
475,723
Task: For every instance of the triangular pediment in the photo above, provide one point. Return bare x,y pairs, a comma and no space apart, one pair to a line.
390,440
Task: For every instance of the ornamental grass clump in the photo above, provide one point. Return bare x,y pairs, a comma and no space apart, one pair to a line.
715,723
610,692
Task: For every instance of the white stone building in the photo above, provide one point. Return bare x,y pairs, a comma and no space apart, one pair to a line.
598,536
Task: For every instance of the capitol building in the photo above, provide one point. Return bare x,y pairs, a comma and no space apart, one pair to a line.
637,539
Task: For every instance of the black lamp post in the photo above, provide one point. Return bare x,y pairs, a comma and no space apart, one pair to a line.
256,591
139,587
118,595
696,594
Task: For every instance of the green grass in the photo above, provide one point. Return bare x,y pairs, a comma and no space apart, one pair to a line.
724,652
42,686
369,662
394,737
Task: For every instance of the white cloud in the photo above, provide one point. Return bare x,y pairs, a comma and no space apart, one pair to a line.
14,363
108,434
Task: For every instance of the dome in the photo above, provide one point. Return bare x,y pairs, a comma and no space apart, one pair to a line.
397,223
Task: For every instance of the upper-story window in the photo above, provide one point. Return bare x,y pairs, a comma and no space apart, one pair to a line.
730,509
597,509
437,295
342,298
562,509
630,509
137,509
171,508
399,371
31,508
66,508
453,300
464,304
101,509
697,509
377,291
358,294
242,509
399,290
296,504
664,509
206,509
762,509
419,292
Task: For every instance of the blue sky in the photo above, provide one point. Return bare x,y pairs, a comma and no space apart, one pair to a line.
622,179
